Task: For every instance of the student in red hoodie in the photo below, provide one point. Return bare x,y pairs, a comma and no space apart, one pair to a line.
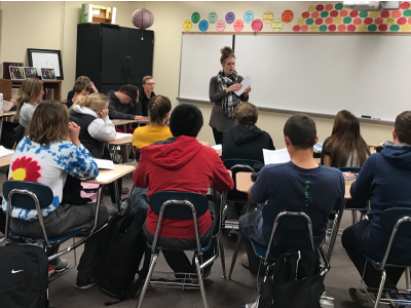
181,163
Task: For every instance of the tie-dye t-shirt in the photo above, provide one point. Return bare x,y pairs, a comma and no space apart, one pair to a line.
49,166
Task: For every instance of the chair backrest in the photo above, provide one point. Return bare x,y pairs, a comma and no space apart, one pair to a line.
390,217
295,223
177,211
238,165
7,134
21,200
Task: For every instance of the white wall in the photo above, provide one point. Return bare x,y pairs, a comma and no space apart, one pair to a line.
55,27
168,28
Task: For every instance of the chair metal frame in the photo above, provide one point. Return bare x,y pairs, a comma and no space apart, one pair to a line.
275,226
197,253
33,196
381,267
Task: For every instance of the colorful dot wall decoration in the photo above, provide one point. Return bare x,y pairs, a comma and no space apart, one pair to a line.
336,17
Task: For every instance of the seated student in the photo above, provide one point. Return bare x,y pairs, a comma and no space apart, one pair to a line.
91,114
245,140
80,88
292,186
146,94
384,177
124,103
85,80
181,163
345,147
31,93
46,156
158,110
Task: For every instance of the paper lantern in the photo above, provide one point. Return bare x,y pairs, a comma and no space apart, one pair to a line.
142,19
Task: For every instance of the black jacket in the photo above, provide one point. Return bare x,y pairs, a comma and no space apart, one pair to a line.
94,146
144,102
246,142
117,110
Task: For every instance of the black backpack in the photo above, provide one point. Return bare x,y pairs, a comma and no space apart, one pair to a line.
293,281
121,257
24,276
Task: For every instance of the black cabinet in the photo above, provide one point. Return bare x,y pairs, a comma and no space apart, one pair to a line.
113,56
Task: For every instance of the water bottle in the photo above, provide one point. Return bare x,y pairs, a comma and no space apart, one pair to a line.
1,102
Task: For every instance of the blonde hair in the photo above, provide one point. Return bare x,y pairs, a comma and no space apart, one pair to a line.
49,123
29,92
95,101
226,53
147,78
246,113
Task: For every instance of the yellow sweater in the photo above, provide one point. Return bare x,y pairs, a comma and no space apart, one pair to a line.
146,135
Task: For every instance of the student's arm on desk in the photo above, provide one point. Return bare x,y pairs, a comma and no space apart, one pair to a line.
222,180
259,191
78,162
140,176
362,187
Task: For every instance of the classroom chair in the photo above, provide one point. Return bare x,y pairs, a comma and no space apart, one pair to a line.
235,196
307,220
35,196
396,221
179,205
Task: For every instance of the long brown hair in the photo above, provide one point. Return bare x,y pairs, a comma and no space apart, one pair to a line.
345,140
29,92
49,123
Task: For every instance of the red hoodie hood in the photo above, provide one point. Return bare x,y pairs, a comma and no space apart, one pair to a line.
173,155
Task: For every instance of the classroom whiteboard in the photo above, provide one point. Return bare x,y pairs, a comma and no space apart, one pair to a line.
365,74
200,60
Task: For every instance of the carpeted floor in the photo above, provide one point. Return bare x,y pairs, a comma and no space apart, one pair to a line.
221,293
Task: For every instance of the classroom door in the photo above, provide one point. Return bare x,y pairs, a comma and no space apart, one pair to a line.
114,53
140,55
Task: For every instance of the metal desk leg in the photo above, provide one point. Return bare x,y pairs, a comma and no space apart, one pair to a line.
117,193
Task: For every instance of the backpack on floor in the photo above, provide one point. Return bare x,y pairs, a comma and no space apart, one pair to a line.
293,281
23,276
121,257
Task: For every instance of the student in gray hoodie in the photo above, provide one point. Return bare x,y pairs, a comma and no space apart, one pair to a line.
385,178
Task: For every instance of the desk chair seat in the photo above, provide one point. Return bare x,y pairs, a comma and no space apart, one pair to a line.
261,251
55,240
203,248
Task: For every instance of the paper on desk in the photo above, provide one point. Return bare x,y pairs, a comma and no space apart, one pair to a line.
276,157
122,135
218,147
5,152
247,81
104,164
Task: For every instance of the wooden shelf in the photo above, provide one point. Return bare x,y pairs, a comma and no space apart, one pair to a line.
6,86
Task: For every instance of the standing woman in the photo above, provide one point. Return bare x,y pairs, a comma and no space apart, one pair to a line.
222,95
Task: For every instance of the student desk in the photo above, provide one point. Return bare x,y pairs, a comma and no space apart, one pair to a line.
109,176
120,142
119,122
373,145
5,161
244,183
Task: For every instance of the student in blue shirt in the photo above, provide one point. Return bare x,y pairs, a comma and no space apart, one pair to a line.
292,186
385,179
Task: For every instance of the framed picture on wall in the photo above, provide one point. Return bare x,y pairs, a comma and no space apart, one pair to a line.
30,72
48,74
17,73
40,58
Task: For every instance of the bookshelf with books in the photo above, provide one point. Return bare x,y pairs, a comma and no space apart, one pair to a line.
10,89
